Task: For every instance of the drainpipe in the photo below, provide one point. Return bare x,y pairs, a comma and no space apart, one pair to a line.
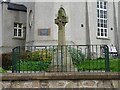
87,32
116,36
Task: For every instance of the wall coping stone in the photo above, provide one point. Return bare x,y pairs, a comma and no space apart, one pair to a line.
61,76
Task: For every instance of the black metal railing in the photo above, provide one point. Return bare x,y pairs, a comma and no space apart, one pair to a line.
62,58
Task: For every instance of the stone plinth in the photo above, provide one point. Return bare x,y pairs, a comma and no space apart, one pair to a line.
62,62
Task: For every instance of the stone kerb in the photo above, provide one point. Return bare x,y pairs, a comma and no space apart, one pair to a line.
62,76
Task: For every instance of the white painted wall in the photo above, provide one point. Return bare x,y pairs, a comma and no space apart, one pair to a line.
77,18
0,27
9,17
119,23
43,20
76,11
44,15
30,31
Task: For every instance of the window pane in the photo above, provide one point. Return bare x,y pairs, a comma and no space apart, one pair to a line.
98,13
20,25
101,13
98,24
101,21
101,32
98,20
98,32
15,32
106,30
105,21
105,5
101,5
101,25
97,4
15,24
106,34
105,14
19,32
105,25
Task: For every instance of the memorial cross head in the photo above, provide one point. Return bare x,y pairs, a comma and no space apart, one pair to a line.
61,19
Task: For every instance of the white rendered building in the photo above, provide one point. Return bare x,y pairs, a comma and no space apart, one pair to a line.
33,23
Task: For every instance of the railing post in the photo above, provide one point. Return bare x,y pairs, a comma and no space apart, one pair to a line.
18,59
13,58
107,65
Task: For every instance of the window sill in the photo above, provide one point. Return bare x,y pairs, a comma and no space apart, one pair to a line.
103,38
20,38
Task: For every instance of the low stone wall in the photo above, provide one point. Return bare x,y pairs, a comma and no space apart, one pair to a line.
61,80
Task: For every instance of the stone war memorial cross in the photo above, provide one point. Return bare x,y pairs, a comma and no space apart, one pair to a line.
63,60
61,21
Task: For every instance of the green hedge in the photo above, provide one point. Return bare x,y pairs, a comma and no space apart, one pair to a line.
99,65
33,65
43,55
34,61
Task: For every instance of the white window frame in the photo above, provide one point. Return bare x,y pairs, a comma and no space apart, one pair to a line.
18,28
102,18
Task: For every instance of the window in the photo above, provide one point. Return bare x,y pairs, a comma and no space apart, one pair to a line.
44,32
102,28
18,30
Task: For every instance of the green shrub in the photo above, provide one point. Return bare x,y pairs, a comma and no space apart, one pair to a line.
43,55
34,61
40,55
33,65
99,65
24,55
6,61
2,70
76,55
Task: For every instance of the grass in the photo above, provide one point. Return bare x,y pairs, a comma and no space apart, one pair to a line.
98,65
